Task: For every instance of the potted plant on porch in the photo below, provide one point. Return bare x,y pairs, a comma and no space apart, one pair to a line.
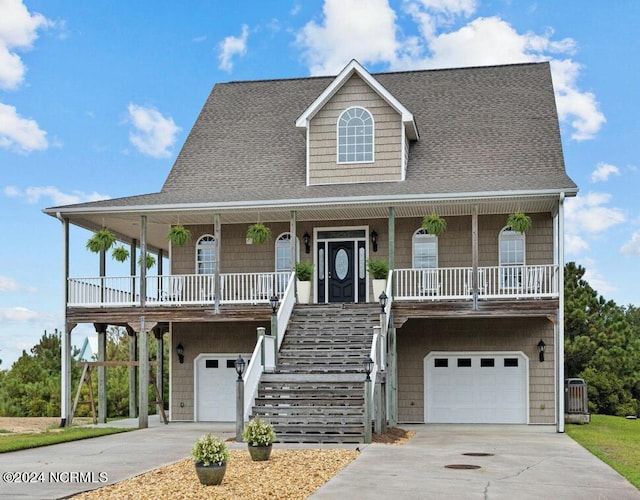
434,224
210,456
519,222
304,272
379,271
101,240
178,235
259,436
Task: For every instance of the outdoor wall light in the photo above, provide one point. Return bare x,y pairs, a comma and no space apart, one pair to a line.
368,366
180,353
541,346
239,365
274,303
374,240
383,301
307,242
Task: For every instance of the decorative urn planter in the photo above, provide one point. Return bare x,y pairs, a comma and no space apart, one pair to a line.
260,453
212,474
378,287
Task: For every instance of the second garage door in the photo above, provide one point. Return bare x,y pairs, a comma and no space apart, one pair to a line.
489,388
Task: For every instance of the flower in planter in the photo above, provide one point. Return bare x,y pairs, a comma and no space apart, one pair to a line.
304,271
209,450
257,432
378,269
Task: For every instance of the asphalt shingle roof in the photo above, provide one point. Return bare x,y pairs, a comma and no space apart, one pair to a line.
484,129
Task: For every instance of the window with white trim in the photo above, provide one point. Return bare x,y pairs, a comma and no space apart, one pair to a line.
283,257
425,250
511,250
355,136
206,255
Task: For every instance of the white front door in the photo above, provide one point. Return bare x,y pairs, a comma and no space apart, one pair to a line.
473,387
215,387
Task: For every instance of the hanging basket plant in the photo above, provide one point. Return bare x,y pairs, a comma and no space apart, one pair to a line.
150,261
101,240
434,224
120,253
519,222
258,233
178,235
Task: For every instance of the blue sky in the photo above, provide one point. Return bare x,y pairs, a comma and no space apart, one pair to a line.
97,97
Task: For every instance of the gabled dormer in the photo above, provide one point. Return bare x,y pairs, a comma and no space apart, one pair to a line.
356,131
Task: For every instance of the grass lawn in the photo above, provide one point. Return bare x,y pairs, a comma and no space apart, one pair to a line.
614,440
14,442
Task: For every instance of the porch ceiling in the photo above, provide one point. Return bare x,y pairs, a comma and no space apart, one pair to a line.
126,224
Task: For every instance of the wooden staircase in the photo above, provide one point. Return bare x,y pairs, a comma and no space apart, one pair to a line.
316,394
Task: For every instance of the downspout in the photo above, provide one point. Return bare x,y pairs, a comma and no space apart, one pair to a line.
560,328
65,383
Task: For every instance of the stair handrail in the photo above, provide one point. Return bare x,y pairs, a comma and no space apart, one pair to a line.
285,309
251,378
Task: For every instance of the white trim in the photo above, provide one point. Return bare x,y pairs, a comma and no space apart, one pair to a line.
354,67
373,137
306,202
433,354
560,321
326,257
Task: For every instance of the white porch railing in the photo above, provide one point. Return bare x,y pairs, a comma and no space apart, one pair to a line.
449,283
178,289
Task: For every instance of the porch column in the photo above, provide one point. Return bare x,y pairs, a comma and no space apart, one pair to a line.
133,372
294,257
217,232
101,330
392,240
143,350
65,369
559,347
392,373
143,375
158,333
474,255
132,268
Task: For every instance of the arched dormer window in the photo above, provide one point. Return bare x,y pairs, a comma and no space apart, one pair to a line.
425,250
511,257
206,255
283,258
355,136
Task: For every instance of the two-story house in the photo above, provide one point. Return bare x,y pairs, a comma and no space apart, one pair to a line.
343,170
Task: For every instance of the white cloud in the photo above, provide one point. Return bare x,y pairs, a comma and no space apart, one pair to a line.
20,134
603,171
632,247
18,30
590,214
352,29
596,280
232,46
18,314
574,244
33,195
366,30
12,285
153,134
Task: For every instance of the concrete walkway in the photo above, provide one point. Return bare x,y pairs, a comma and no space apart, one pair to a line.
526,462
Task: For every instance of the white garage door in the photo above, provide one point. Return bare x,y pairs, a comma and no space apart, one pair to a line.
215,387
487,388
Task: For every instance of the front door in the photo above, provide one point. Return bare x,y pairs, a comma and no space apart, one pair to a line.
341,271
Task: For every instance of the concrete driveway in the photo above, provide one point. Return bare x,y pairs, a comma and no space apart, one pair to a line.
524,462
521,462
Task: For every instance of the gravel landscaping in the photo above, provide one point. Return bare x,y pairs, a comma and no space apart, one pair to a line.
288,474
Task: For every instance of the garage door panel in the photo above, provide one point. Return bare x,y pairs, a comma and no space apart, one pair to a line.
215,389
476,388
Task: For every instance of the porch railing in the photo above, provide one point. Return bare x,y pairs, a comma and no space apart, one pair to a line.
448,283
178,289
